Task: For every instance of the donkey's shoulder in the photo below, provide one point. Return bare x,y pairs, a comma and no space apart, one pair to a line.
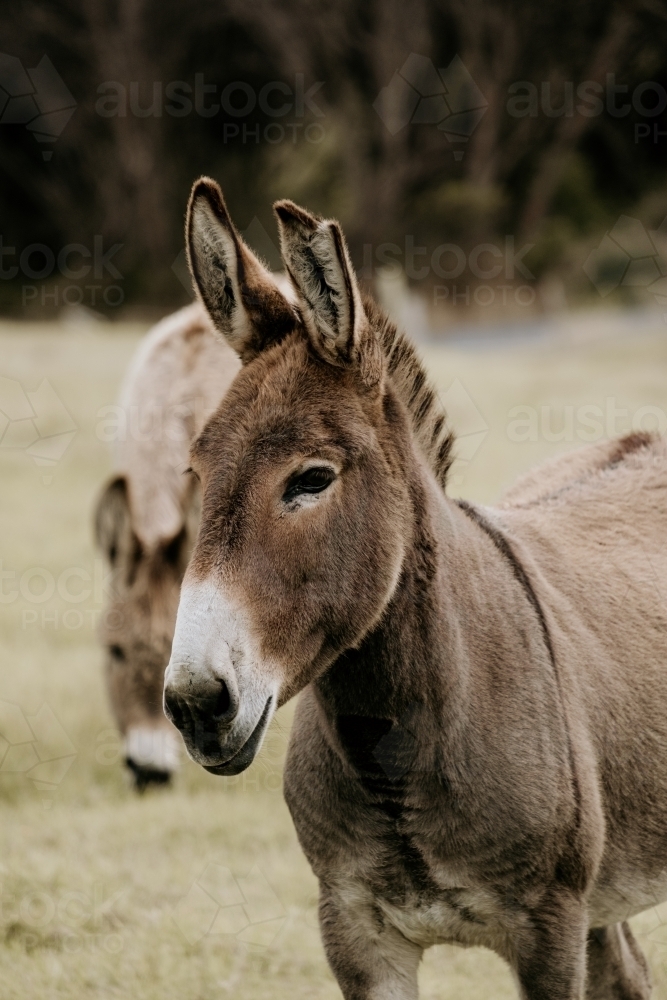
573,471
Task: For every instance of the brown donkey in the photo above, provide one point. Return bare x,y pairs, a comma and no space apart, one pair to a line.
146,521
479,754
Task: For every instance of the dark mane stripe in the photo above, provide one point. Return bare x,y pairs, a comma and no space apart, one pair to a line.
429,420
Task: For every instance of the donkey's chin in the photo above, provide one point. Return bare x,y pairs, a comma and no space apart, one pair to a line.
237,760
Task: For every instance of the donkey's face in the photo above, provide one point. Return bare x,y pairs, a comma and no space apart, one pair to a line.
304,508
136,634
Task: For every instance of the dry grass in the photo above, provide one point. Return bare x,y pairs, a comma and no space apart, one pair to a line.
102,893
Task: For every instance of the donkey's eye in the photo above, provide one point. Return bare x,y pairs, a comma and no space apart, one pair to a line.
117,653
311,481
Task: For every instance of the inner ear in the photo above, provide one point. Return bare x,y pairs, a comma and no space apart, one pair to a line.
113,523
114,532
318,262
239,293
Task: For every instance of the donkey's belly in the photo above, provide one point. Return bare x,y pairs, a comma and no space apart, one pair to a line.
626,895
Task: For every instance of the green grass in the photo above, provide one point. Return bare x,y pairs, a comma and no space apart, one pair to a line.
102,892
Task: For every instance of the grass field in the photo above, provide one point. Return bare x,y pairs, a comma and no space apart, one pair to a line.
201,891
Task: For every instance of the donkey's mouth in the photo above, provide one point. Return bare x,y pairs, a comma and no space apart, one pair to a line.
244,757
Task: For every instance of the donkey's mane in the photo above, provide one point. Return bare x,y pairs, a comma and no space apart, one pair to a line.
429,419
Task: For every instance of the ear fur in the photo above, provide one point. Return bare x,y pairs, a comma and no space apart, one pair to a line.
318,262
240,295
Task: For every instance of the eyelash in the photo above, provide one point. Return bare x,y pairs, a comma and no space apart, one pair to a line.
299,485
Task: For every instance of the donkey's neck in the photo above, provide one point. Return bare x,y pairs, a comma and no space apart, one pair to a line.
451,625
402,658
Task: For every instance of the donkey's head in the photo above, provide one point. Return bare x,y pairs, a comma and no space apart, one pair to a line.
138,628
304,468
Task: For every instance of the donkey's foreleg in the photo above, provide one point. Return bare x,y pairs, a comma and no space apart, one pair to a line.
370,959
550,953
617,969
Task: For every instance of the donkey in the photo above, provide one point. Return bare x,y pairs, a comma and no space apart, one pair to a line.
479,753
146,521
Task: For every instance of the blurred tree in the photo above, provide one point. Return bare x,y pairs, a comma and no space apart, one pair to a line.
145,125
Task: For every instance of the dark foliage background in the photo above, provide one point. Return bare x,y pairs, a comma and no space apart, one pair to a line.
558,182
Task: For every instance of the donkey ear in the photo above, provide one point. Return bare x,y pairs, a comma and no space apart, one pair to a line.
114,533
113,527
318,262
240,295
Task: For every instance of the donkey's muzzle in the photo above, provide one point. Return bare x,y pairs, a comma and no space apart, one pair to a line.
244,756
215,733
202,714
147,777
151,754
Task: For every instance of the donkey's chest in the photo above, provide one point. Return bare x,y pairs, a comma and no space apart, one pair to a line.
432,899
465,915
468,915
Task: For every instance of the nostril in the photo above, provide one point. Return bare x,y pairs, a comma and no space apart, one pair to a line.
222,704
174,709
202,709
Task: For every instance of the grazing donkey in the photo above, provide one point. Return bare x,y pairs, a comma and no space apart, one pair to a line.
479,754
146,522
